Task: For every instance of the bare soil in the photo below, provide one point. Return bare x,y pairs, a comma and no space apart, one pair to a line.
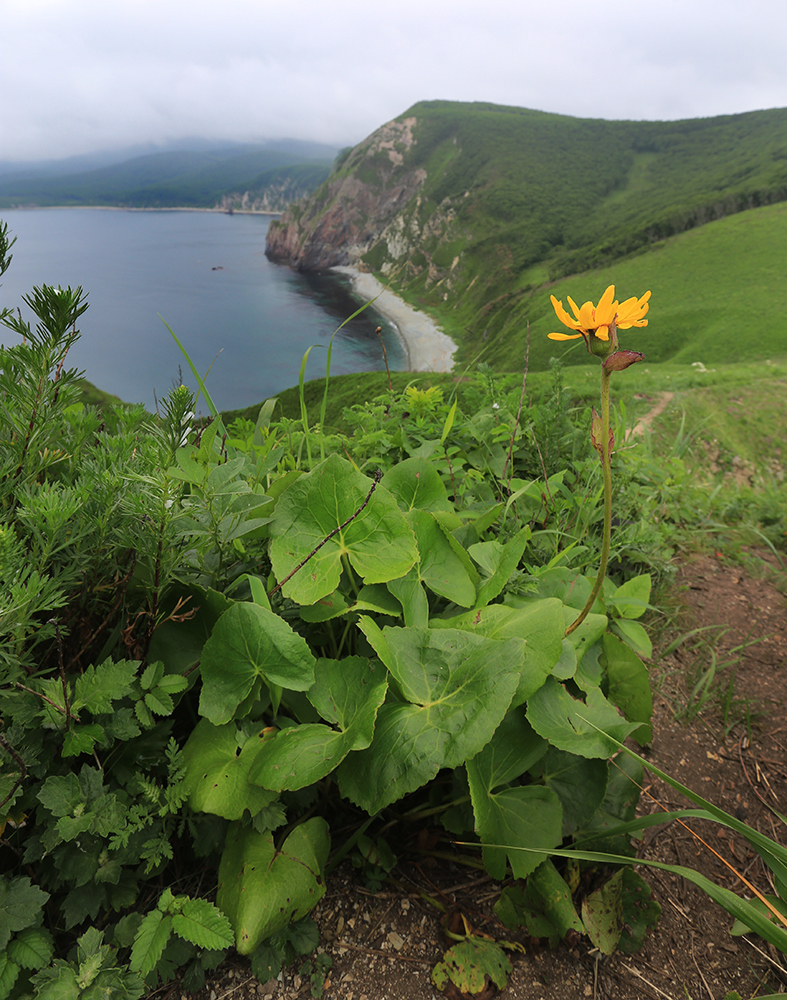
734,751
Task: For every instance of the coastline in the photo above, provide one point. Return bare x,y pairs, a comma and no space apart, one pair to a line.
428,348
132,208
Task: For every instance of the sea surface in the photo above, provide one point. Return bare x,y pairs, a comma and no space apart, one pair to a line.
207,276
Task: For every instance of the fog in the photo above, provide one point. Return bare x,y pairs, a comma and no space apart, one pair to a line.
82,75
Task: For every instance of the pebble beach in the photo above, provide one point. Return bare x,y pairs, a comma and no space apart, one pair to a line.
428,348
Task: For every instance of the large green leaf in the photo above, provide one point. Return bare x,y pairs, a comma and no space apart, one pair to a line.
553,896
179,643
631,598
505,564
579,727
607,827
20,906
514,749
513,821
444,567
250,644
567,585
458,688
529,816
541,626
32,948
543,904
202,923
347,693
579,782
150,942
331,606
416,484
587,634
602,914
634,635
629,685
378,598
217,763
640,911
409,592
262,889
378,541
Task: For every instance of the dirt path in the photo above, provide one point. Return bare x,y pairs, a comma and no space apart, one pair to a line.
639,428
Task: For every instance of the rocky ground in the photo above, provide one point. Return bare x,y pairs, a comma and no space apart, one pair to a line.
731,747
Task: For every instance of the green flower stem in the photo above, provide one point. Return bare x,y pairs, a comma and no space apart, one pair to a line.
605,453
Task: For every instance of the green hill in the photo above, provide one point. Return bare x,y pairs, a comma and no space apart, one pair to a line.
183,178
473,210
719,296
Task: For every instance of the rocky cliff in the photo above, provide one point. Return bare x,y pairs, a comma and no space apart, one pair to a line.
352,212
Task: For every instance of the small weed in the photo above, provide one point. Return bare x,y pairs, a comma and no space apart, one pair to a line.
316,969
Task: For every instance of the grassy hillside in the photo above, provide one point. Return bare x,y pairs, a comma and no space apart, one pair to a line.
719,296
575,192
508,203
196,179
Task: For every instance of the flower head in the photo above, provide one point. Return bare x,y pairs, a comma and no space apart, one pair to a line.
590,320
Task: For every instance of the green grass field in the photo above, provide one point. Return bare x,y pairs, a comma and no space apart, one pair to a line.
719,295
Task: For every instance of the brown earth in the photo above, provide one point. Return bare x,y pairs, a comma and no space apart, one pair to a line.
732,749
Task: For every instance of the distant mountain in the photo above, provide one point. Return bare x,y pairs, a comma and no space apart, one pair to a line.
182,178
467,208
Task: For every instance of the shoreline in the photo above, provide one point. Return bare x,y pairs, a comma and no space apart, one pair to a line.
428,348
140,208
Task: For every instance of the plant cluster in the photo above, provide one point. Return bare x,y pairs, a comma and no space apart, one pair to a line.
216,641
222,644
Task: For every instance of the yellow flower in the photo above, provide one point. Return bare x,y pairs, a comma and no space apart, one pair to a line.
590,319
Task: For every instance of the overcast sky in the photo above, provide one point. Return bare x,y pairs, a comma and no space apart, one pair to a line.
78,76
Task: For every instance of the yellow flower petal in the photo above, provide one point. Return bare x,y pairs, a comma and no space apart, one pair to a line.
630,313
562,315
606,308
564,336
587,316
573,305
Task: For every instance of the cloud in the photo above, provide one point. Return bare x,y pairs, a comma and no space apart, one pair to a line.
83,75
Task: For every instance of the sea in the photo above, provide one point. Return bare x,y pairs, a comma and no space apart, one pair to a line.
242,318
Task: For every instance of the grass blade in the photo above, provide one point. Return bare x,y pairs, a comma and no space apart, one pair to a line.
200,381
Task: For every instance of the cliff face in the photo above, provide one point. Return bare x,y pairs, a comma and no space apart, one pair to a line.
356,206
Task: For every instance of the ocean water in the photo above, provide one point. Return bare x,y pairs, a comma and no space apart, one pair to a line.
207,276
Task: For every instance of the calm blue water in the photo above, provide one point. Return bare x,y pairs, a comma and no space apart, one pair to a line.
205,274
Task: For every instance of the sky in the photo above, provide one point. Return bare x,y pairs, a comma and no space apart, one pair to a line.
81,76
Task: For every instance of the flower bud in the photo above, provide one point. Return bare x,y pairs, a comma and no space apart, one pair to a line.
622,359
596,436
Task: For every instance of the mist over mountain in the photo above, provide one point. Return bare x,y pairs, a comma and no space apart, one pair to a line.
190,173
